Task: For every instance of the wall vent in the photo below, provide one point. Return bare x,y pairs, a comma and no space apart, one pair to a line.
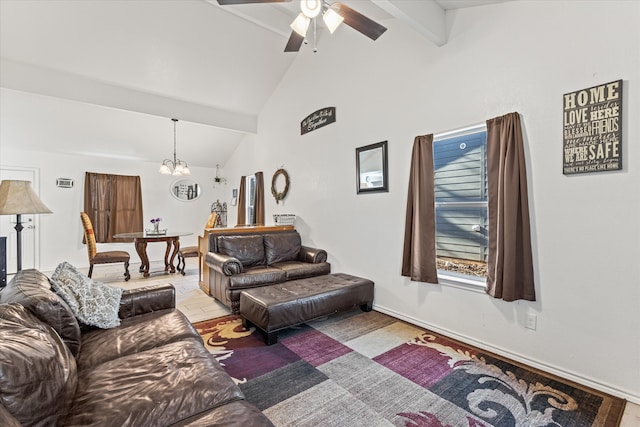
64,182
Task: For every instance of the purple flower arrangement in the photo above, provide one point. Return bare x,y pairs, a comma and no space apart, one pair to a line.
156,226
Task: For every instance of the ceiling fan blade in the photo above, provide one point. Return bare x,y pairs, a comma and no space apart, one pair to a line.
358,21
294,43
227,2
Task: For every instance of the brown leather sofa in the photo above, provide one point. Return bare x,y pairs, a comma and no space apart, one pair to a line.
152,370
245,261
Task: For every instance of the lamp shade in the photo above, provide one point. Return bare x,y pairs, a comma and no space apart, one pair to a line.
18,197
332,19
301,24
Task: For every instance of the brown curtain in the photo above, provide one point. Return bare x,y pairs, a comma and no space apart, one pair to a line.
259,205
242,203
114,204
419,257
509,262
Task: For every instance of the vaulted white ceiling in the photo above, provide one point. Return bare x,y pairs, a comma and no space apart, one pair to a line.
108,75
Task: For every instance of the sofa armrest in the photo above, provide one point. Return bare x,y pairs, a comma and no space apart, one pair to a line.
146,300
312,255
223,264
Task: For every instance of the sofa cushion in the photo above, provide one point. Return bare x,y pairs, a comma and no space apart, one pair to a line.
93,303
256,276
282,247
249,250
235,414
38,374
139,333
300,270
31,288
6,419
158,387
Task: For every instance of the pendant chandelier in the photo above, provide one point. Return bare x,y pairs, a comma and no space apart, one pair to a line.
176,166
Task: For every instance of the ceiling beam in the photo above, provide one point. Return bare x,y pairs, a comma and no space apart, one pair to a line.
58,84
272,17
426,17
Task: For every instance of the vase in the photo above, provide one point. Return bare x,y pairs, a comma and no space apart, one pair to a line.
156,227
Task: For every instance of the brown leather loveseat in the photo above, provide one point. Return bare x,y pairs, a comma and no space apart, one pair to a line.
245,261
152,370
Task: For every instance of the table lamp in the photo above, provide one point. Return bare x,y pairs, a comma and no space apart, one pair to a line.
18,198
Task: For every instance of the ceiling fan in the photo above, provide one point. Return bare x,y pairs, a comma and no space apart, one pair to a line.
332,15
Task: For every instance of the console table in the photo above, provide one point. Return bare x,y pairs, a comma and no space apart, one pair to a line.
203,246
140,239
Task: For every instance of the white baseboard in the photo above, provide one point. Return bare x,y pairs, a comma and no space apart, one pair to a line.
572,376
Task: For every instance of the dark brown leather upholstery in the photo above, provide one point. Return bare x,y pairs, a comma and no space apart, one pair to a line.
234,414
152,370
135,334
147,300
248,261
31,289
249,250
223,264
6,419
300,270
38,374
272,308
282,247
161,386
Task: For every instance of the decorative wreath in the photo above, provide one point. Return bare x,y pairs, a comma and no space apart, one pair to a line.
280,195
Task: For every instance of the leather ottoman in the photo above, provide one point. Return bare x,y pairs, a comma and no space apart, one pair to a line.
276,307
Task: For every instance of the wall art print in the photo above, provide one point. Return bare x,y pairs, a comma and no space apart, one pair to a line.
317,119
592,129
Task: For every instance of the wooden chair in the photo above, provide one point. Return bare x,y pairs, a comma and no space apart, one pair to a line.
107,257
186,252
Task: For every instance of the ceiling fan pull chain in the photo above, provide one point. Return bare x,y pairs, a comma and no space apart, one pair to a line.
315,39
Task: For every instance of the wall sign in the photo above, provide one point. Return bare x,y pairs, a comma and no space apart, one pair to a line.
592,130
318,119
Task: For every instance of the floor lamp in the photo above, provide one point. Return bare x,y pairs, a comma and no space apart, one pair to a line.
18,198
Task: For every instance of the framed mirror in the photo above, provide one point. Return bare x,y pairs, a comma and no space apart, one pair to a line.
371,168
185,190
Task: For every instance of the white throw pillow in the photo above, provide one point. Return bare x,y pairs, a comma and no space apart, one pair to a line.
93,303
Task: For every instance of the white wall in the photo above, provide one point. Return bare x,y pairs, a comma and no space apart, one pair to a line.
61,233
517,56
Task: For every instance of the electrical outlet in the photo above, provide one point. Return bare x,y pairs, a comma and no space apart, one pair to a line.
531,321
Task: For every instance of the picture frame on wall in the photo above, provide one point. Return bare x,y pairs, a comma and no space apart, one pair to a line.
372,165
592,129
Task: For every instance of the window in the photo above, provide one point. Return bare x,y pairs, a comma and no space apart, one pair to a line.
114,205
461,202
250,191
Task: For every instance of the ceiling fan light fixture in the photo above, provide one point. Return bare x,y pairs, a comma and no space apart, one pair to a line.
332,19
301,24
311,8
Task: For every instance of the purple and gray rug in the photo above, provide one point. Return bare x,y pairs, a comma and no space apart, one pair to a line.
369,369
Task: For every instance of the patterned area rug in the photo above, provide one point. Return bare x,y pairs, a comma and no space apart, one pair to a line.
369,369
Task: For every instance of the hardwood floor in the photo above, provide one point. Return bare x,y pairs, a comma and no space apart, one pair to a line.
198,306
